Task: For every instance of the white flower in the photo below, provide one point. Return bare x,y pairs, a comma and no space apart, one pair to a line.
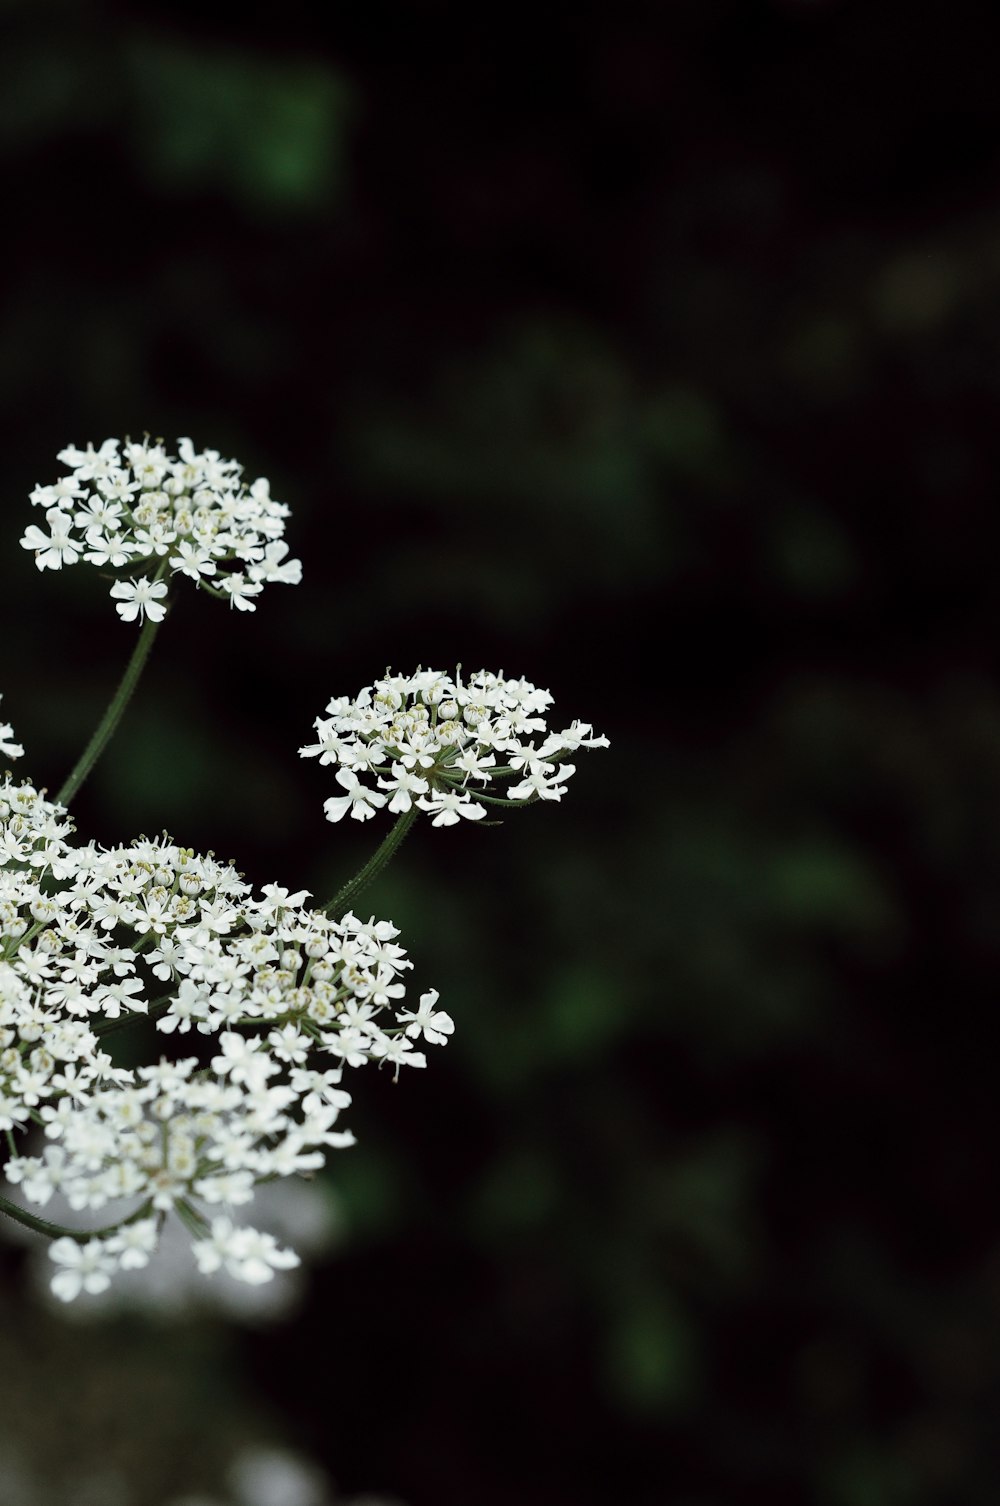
359,800
404,786
271,567
12,1113
542,785
423,737
276,897
134,1243
99,512
247,1254
139,598
241,1059
240,590
106,549
232,1187
434,1026
289,1045
112,998
319,996
194,560
397,1049
89,462
131,501
9,748
447,806
56,548
85,1267
579,735
475,764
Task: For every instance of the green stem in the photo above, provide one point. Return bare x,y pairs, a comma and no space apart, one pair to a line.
112,716
493,800
192,1219
56,1231
343,899
133,1017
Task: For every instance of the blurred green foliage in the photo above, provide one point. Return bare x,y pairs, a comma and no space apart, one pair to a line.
269,132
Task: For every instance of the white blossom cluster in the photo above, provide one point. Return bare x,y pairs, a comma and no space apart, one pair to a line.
430,741
272,1000
264,1002
171,1287
132,507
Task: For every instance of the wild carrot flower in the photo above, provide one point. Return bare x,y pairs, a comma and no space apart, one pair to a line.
132,506
444,746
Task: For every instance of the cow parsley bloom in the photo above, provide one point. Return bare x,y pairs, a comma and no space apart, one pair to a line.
140,598
430,742
135,508
84,1267
285,1000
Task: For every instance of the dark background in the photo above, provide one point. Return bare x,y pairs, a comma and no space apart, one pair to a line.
651,352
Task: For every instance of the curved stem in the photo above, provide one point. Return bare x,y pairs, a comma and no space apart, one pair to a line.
56,1231
344,898
112,716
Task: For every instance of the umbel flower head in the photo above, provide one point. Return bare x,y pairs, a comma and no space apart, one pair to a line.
276,1003
132,508
427,740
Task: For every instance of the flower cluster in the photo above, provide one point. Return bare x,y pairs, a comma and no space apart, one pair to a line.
430,741
130,506
274,1002
265,1002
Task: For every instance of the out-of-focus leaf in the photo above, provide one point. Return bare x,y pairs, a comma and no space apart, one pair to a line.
270,131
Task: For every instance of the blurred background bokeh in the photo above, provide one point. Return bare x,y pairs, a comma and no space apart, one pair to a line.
652,352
